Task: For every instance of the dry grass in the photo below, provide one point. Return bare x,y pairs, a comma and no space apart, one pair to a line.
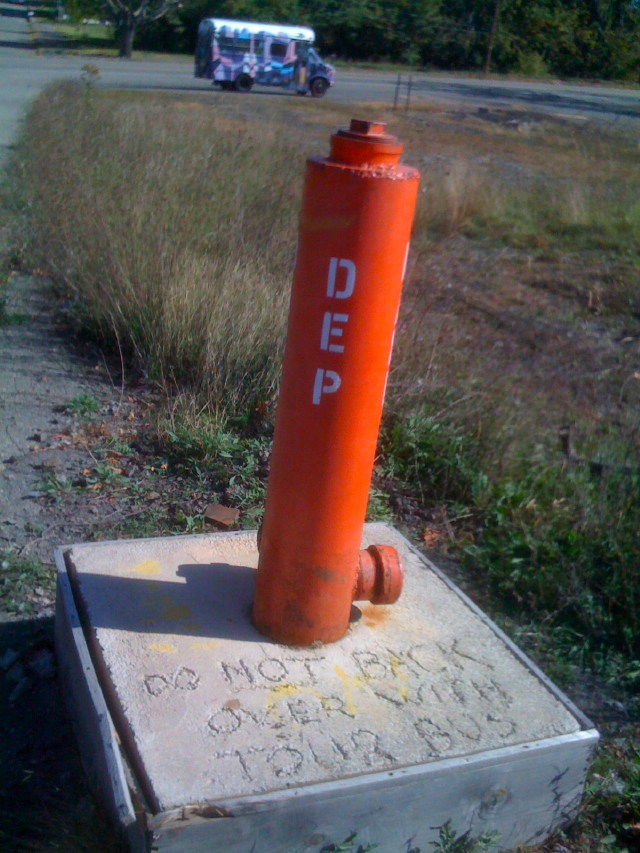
173,232
170,222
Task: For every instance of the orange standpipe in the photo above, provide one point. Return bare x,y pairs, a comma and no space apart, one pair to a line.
355,225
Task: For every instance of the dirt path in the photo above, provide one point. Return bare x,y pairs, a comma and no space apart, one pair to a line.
42,382
44,804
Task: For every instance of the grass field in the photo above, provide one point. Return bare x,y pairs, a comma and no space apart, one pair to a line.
511,435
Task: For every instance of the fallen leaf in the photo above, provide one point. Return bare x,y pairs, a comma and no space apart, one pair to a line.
431,537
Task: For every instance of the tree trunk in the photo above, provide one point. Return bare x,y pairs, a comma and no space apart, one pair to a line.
126,32
492,38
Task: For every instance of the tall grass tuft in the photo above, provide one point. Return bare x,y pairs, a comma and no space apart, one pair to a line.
172,231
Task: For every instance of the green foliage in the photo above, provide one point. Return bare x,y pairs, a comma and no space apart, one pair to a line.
533,38
552,539
12,318
378,508
563,543
18,577
450,842
348,846
611,808
436,458
54,487
236,464
82,405
531,64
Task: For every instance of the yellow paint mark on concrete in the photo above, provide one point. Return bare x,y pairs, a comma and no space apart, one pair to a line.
211,645
147,568
167,648
350,683
401,676
279,692
283,691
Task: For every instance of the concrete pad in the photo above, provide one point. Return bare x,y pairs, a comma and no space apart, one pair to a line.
208,709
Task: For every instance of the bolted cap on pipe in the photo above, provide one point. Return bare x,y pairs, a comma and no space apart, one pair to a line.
380,576
365,144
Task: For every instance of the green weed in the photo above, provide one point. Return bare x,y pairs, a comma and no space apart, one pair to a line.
234,464
83,405
378,508
348,846
610,813
435,458
19,577
55,487
450,842
562,543
12,318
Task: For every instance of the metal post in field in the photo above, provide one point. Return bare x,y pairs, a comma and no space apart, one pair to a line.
396,94
407,103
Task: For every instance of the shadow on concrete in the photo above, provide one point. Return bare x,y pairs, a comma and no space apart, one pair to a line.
214,603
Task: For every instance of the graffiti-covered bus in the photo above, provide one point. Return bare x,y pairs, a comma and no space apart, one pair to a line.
237,54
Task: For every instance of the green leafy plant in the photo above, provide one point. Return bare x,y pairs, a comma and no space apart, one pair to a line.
82,405
450,842
563,543
55,487
437,459
19,577
348,846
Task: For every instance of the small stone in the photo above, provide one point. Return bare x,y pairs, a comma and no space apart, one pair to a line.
221,516
32,495
51,463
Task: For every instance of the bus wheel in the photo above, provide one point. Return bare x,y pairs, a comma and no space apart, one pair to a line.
226,85
318,87
243,83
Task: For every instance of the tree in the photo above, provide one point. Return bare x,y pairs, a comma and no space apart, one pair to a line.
129,15
492,38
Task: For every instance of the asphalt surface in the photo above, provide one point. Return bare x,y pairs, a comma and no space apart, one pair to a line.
24,71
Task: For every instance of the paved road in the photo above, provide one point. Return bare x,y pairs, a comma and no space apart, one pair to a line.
23,73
